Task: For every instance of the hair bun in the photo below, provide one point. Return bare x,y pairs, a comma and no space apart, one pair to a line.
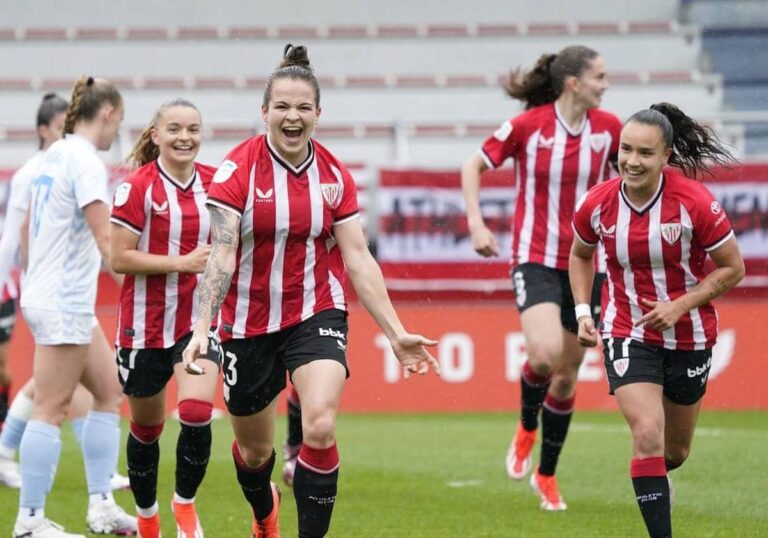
90,81
295,55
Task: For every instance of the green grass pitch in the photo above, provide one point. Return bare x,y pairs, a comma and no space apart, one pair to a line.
442,475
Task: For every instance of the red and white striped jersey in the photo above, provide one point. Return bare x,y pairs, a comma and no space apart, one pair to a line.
285,271
171,219
554,167
656,252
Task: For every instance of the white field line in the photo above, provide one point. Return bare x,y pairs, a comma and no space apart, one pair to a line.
704,431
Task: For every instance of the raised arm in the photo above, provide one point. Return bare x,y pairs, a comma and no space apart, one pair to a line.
581,273
225,237
729,272
126,258
483,240
366,277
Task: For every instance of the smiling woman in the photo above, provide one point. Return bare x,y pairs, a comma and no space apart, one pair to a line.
284,220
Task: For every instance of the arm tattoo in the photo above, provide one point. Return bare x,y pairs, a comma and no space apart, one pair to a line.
225,236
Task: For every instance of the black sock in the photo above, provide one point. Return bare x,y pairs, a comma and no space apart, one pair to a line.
5,391
314,487
652,491
295,433
193,450
142,470
255,483
533,388
555,419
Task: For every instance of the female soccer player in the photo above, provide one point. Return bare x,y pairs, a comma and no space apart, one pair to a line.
562,145
50,127
68,237
159,239
278,203
658,325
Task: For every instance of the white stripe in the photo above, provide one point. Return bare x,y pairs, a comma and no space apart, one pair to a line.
602,263
553,205
611,350
625,348
316,210
140,281
202,237
585,163
172,279
317,469
656,252
699,337
337,290
245,270
282,229
526,231
622,255
610,310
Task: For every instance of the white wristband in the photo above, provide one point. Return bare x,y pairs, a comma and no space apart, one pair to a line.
583,310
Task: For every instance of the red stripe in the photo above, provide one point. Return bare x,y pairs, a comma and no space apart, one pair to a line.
295,254
640,467
532,378
541,198
125,316
559,406
190,231
673,272
156,284
568,181
325,459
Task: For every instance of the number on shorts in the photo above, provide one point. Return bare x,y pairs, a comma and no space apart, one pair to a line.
519,282
231,374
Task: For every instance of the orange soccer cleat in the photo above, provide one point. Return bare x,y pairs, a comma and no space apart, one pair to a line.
187,522
269,527
547,490
519,453
148,527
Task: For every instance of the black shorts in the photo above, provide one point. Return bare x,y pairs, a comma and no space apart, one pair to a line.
145,372
254,368
535,284
683,374
7,319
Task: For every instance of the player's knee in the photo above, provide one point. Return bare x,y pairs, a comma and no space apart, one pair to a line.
195,412
320,429
563,384
542,357
255,455
648,438
674,457
146,434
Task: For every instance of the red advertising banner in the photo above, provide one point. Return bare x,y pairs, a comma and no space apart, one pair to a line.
481,351
423,242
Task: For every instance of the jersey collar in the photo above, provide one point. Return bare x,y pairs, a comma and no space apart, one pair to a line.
647,205
295,170
183,186
565,124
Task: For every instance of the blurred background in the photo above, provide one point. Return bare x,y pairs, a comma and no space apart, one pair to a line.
410,89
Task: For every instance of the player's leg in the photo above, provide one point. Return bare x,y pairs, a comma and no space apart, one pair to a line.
253,378
7,322
642,407
319,384
101,437
57,369
19,414
294,439
193,448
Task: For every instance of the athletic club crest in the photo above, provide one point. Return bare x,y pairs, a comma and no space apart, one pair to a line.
671,232
620,366
597,142
331,193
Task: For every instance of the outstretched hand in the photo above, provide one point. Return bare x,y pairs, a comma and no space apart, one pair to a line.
414,358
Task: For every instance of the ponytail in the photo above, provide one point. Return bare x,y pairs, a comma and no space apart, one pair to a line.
88,96
695,147
545,82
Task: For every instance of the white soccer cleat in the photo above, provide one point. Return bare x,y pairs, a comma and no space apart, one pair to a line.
41,528
9,473
106,517
119,482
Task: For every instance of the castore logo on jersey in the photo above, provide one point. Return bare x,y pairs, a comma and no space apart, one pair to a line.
160,209
262,196
546,143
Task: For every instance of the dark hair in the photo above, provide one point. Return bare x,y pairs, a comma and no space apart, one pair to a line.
545,82
295,64
51,106
694,147
88,96
146,151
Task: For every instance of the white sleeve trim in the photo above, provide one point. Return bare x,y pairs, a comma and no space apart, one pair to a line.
581,239
720,243
115,220
486,160
347,219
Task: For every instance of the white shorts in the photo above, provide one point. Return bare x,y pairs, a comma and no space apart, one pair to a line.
52,327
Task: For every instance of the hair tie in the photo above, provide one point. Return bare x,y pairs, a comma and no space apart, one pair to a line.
90,81
287,50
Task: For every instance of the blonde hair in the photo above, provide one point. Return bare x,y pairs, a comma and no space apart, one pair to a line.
88,96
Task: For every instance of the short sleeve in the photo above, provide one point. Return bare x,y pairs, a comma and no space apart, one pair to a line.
90,183
229,186
586,212
128,206
501,145
347,208
21,188
710,223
